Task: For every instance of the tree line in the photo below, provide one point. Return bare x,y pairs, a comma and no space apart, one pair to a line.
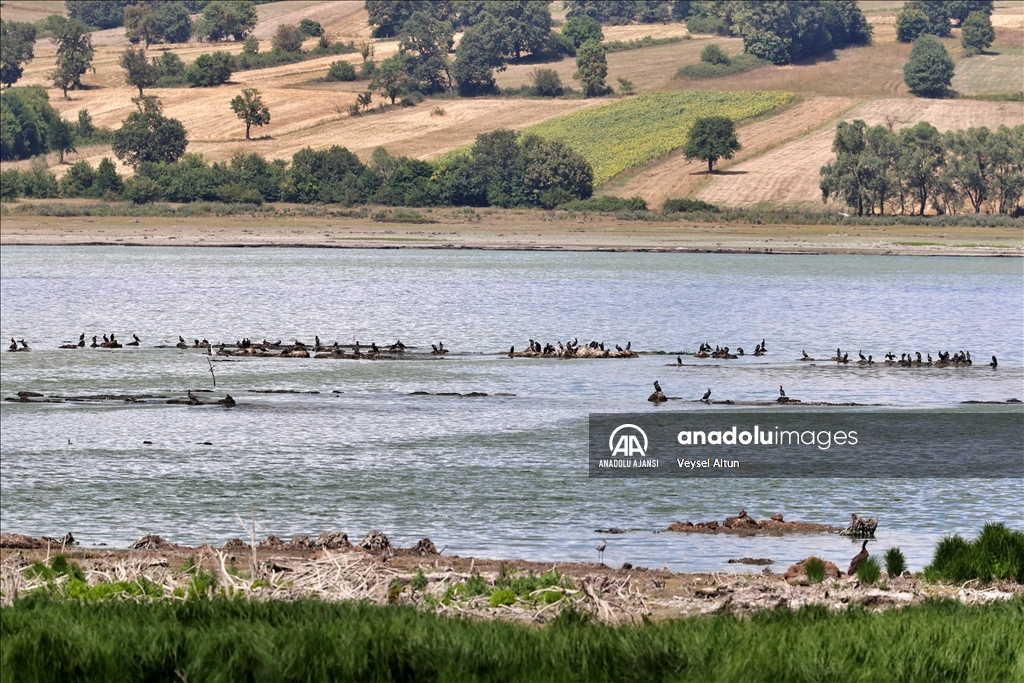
878,170
168,21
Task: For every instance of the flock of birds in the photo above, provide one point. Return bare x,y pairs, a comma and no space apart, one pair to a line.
570,349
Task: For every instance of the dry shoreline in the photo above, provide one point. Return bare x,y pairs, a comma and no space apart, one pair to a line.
623,595
511,230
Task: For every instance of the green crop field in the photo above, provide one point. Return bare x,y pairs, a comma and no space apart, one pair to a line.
630,132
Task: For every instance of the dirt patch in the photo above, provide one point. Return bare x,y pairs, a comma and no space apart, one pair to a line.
790,173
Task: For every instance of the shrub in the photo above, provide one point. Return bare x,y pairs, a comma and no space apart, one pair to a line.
606,204
141,190
251,46
713,54
503,596
311,28
895,563
209,70
997,553
704,24
287,39
815,568
341,71
686,205
735,65
546,82
868,571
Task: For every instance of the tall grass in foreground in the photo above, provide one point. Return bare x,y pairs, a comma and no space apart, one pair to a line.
221,640
997,553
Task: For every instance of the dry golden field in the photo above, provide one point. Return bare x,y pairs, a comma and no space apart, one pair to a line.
779,162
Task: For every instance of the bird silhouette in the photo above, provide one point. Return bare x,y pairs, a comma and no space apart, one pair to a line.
782,392
858,559
679,360
657,387
511,351
600,550
707,396
994,364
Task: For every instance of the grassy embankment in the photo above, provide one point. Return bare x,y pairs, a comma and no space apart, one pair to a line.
310,641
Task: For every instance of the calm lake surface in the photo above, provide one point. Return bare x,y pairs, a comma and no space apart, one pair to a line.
495,476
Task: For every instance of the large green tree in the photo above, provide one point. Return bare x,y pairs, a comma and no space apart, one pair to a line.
387,16
911,24
98,13
209,70
526,25
591,68
60,138
478,54
937,12
581,29
17,41
959,10
138,71
222,19
929,71
977,33
428,41
712,138
74,53
391,79
250,108
920,161
146,135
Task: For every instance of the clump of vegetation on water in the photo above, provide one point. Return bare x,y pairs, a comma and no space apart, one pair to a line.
996,555
237,640
895,563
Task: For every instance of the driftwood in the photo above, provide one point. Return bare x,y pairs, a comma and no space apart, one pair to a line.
860,527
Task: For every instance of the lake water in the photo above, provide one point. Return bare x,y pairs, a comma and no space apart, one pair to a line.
495,476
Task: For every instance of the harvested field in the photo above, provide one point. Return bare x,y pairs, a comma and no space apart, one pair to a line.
989,74
789,174
649,68
637,31
674,176
33,11
341,19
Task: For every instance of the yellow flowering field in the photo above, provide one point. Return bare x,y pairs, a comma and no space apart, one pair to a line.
630,132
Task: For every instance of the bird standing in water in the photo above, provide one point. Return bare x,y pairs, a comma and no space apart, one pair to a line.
600,550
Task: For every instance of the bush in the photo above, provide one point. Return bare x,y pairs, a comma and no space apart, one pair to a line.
141,190
251,46
503,596
646,41
209,70
705,24
997,554
311,28
815,568
606,204
977,33
341,71
868,571
713,54
287,39
581,29
546,82
895,563
686,205
736,65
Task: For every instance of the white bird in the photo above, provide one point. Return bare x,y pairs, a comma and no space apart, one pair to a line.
600,550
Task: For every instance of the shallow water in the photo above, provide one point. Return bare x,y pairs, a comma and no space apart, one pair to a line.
490,476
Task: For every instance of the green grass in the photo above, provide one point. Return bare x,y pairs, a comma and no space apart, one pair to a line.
222,640
736,65
997,553
815,569
646,41
895,562
630,132
918,244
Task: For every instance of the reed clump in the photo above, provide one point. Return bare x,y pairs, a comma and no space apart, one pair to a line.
997,554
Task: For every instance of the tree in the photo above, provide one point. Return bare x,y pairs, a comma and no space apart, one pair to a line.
98,13
107,178
389,15
26,115
712,138
478,54
60,138
250,108
311,28
391,78
929,71
148,135
713,54
427,41
74,54
920,160
591,69
553,172
222,19
209,70
17,43
977,33
138,71
959,10
174,22
526,25
287,39
140,24
251,46
937,13
581,29
911,24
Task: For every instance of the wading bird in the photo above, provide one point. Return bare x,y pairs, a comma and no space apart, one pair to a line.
600,550
858,559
